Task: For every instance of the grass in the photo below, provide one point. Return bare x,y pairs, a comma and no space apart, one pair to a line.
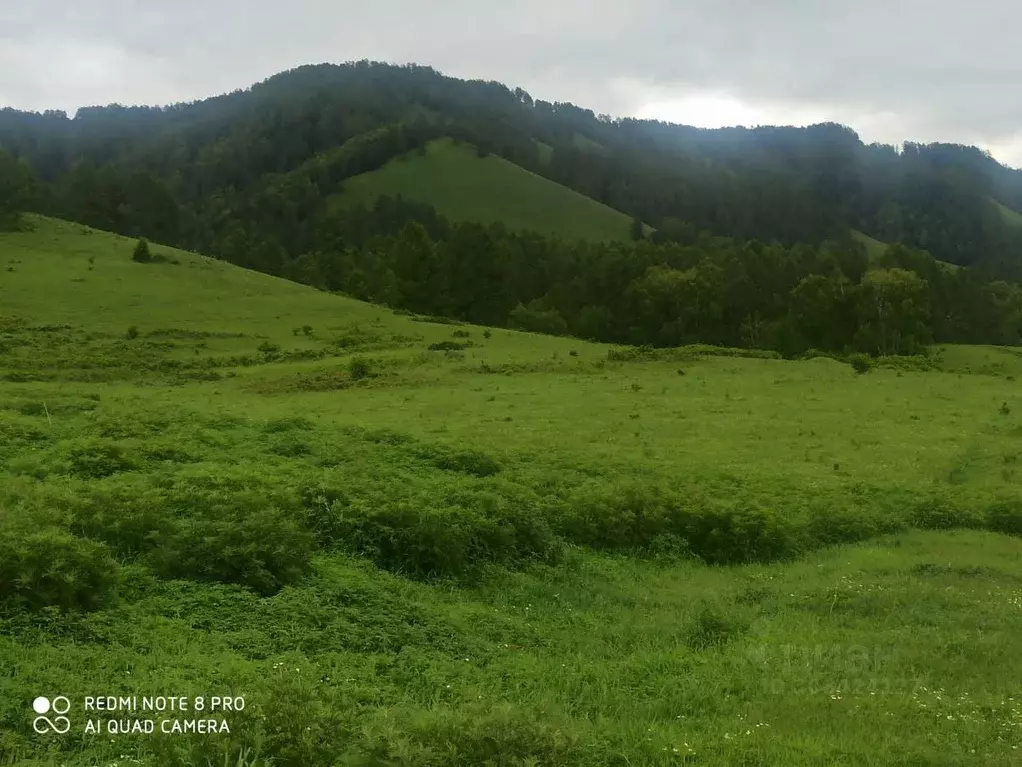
1010,216
464,187
874,248
496,554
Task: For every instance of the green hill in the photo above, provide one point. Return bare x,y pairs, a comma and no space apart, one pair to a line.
465,187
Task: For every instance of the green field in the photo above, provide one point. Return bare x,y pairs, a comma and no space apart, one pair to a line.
506,549
465,187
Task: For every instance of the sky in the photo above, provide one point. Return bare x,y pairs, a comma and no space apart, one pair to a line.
893,70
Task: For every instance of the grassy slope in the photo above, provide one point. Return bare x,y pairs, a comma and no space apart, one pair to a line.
903,649
464,187
874,247
1013,217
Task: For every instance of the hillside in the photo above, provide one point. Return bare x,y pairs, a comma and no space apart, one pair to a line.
874,248
182,174
455,544
1012,217
465,187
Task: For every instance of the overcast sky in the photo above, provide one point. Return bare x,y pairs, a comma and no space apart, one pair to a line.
926,70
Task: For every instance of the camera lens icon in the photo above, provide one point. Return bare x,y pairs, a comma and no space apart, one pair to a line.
59,724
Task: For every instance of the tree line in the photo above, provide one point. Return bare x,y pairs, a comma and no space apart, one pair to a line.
702,289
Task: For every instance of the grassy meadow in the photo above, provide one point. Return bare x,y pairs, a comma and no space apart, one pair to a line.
410,542
465,187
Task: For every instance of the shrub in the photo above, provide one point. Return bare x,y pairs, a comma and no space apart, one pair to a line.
127,517
472,462
940,513
425,542
717,531
269,349
713,627
359,368
307,330
1005,517
831,524
52,568
290,446
132,332
536,319
263,550
97,458
141,253
447,346
487,334
296,423
860,363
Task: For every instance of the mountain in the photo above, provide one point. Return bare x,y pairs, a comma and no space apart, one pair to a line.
184,173
473,201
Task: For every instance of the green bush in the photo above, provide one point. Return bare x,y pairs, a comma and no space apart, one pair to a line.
1005,517
860,363
458,541
141,254
537,319
52,568
264,550
269,349
359,368
941,513
97,458
716,531
448,346
712,626
132,518
474,462
832,524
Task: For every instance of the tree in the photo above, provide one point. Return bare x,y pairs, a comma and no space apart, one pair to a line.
893,312
822,312
17,185
413,259
141,253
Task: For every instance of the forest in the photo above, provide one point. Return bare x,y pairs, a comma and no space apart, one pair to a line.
752,241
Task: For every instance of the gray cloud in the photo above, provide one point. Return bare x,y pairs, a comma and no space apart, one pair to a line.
893,70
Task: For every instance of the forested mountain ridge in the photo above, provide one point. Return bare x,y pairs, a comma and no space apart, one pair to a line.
756,230
173,172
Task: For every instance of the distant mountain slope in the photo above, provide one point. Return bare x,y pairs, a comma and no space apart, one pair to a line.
1011,217
465,187
874,247
182,174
